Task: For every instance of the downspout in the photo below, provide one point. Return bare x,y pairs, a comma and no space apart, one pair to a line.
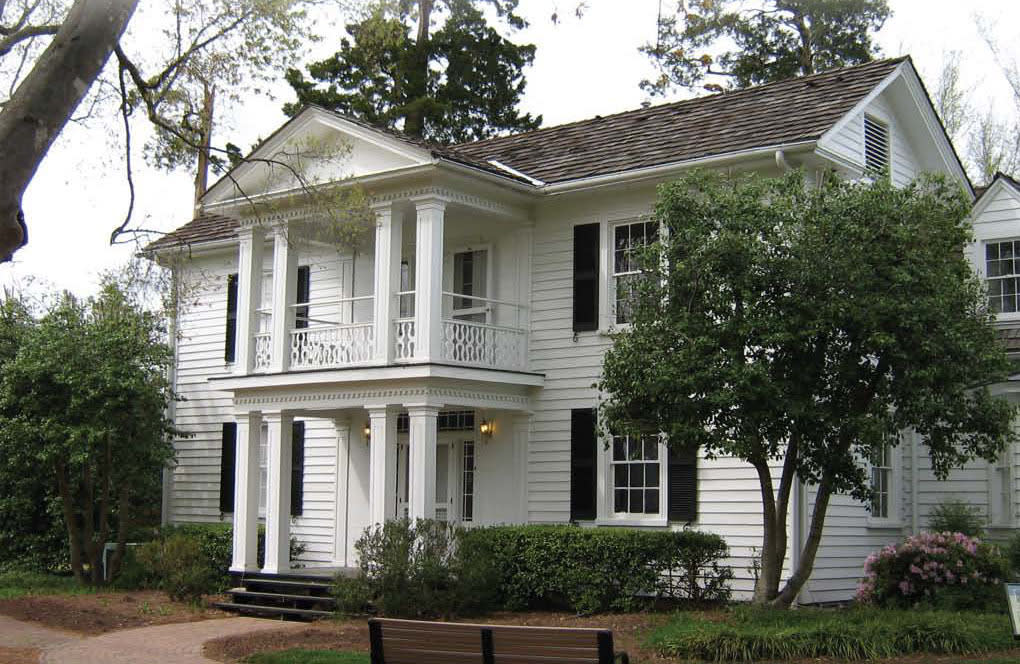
913,483
781,162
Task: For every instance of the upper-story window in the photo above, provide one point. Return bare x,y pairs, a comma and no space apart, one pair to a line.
628,240
470,277
1002,268
876,145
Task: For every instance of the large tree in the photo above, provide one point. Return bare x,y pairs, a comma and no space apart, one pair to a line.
52,52
458,82
83,412
747,43
801,330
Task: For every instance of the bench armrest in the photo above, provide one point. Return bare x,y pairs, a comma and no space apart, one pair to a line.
622,657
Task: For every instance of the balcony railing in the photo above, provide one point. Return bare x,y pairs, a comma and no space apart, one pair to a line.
332,346
482,345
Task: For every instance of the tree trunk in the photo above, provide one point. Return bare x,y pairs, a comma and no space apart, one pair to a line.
763,589
73,531
418,74
123,523
814,538
45,100
202,168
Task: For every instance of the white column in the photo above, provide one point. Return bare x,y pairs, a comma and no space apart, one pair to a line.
389,235
246,493
249,290
342,426
278,465
382,481
422,462
521,438
284,295
428,294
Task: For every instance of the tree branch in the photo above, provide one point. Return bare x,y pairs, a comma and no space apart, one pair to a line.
31,32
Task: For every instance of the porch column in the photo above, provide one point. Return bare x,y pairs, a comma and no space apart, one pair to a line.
246,493
382,462
422,462
389,235
284,295
521,425
249,290
342,426
278,468
428,293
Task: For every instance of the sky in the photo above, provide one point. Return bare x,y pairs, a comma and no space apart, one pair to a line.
582,68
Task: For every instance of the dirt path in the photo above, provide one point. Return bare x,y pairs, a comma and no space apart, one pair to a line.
167,644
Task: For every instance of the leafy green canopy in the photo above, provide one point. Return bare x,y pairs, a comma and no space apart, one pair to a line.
461,83
813,323
83,400
760,42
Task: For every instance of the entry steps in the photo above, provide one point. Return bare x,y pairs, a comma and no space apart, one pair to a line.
293,595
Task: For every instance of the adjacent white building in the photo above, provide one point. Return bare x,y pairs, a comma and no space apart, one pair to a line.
445,367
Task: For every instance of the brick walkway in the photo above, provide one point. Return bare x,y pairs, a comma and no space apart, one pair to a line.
167,644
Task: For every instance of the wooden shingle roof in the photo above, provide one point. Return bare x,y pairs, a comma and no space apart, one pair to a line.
790,111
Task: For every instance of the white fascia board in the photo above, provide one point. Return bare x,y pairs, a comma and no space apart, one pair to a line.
370,374
666,170
192,250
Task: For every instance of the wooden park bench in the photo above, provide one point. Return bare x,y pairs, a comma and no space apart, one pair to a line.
419,642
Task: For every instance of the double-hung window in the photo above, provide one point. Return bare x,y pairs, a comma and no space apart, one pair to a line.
628,241
636,471
1001,494
1002,270
881,482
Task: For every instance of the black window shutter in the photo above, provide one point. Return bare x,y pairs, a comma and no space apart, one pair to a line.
586,277
304,283
228,459
231,340
297,469
583,444
683,486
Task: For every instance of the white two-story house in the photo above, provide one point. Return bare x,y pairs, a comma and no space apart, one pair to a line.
445,367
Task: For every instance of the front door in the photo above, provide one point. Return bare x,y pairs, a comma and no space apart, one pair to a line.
454,480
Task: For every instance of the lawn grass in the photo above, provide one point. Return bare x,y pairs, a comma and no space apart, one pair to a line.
299,656
749,635
20,583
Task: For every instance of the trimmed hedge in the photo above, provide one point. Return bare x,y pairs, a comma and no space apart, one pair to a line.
591,570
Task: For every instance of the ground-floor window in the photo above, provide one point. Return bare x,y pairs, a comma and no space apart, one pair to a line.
636,473
1001,499
881,482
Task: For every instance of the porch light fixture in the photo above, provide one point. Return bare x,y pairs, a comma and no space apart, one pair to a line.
368,432
486,428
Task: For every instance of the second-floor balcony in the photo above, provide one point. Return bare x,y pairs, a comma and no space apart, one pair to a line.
427,301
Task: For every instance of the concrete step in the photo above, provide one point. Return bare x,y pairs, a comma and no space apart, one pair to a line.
244,593
272,611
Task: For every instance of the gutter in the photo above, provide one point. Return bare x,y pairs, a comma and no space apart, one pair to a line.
665,170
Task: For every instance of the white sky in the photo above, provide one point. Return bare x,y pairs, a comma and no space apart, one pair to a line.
582,68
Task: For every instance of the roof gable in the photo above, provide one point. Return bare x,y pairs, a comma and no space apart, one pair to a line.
316,146
1003,194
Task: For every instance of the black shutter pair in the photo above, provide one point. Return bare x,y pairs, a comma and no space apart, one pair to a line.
586,277
231,339
682,474
304,284
228,462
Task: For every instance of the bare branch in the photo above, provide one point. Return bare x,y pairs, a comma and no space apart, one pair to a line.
125,113
29,32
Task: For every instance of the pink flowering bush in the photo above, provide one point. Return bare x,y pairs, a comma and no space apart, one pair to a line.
942,570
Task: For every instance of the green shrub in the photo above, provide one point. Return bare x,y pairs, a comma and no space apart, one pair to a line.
590,570
178,566
750,634
938,570
417,569
953,515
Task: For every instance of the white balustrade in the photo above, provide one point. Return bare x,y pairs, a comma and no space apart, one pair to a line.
331,346
263,351
404,340
478,344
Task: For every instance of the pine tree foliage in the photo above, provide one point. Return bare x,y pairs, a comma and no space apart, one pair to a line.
435,69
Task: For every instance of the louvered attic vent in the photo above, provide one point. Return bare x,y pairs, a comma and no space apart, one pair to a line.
876,145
